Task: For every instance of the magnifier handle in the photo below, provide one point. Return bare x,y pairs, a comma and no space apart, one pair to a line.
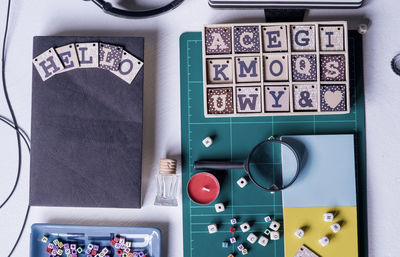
217,165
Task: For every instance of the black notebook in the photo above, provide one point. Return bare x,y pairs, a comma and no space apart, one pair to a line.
86,132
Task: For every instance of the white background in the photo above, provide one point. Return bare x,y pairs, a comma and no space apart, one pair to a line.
162,110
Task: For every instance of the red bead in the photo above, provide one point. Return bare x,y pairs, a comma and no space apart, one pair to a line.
94,252
48,250
112,242
232,230
116,239
119,251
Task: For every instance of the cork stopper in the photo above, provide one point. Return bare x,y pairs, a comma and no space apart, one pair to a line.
167,166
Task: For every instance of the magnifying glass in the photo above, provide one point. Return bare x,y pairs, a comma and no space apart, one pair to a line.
264,165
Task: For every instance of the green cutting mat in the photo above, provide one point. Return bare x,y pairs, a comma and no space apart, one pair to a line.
234,138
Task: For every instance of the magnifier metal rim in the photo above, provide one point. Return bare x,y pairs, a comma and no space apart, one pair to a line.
271,188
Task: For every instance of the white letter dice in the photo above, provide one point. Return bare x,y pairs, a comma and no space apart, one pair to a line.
328,217
233,221
299,233
252,238
245,227
274,235
267,219
207,142
324,241
242,182
335,227
274,225
263,241
212,229
219,207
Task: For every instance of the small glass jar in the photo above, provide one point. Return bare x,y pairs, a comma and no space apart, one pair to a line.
167,183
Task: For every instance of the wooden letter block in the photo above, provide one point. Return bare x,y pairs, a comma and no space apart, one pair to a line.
333,98
88,54
248,99
276,67
333,67
246,39
305,97
304,67
248,69
218,40
277,98
48,64
219,71
68,57
274,38
220,100
331,38
303,38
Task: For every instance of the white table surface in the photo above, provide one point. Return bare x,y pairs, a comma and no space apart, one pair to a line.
162,110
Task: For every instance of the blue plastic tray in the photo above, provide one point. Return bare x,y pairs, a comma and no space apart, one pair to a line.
142,238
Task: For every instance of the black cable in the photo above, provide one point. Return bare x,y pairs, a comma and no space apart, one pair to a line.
22,230
21,132
14,119
14,124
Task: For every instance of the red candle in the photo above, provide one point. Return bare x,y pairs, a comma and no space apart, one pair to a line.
203,188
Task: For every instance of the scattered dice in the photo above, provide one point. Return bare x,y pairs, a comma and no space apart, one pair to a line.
252,238
299,233
267,219
240,247
267,232
219,207
335,227
242,182
45,239
274,235
263,241
328,217
207,142
274,225
225,244
245,227
324,241
232,240
212,228
244,251
233,221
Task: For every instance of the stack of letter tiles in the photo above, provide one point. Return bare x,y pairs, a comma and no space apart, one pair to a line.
88,55
275,69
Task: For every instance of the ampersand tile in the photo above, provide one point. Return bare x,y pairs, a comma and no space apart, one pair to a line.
305,97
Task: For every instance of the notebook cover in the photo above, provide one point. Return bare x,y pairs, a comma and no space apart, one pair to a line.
326,183
86,133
